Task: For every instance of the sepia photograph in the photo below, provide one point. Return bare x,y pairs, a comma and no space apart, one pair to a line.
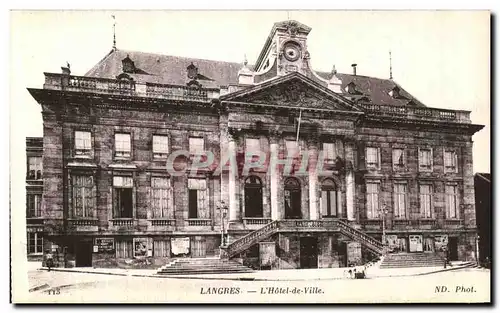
289,156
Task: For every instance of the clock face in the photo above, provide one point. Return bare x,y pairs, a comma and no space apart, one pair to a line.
292,52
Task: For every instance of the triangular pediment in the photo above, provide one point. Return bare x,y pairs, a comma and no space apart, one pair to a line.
292,90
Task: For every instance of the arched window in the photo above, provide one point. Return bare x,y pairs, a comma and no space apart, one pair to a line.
330,199
253,197
292,199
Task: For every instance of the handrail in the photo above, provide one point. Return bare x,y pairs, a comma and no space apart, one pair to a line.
267,230
236,245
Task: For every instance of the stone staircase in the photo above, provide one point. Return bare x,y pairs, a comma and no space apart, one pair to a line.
245,242
189,266
405,260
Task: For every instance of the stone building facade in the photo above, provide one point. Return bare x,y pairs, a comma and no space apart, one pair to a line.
34,192
310,169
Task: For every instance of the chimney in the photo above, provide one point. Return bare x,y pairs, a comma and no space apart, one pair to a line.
354,68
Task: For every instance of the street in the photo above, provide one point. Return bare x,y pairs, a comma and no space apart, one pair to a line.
464,285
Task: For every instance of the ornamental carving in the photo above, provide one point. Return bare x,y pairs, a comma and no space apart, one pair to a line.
291,94
292,28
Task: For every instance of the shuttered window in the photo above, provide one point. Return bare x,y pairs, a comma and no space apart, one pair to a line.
124,249
161,194
400,200
372,205
426,201
84,197
452,204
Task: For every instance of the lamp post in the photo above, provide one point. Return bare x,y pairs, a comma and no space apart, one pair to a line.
384,212
223,208
477,249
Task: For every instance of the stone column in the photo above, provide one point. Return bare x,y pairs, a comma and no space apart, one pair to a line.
349,182
233,207
313,180
273,148
224,174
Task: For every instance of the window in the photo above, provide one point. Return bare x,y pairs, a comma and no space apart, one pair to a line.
122,145
372,157
398,158
124,249
292,148
330,199
452,205
83,143
34,167
35,243
329,152
161,248
83,200
399,200
426,201
122,196
160,146
196,145
425,159
161,197
34,205
253,197
450,161
252,146
198,200
372,205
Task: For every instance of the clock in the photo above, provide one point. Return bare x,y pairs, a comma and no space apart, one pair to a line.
291,52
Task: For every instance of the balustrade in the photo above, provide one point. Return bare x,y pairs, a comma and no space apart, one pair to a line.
121,86
122,222
418,113
199,222
162,222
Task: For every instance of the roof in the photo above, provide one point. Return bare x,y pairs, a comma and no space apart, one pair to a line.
164,69
485,176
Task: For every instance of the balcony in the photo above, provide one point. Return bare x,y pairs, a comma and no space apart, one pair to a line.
255,222
55,81
161,225
308,225
83,225
453,224
122,224
199,222
371,224
418,113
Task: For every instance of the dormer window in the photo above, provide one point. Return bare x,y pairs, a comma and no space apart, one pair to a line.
351,88
395,92
128,65
411,103
192,71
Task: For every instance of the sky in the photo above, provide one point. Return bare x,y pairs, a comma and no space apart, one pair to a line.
440,57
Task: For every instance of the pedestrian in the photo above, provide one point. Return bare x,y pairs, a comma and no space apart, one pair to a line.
445,250
49,260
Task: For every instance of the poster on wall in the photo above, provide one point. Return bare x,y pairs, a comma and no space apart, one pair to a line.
104,245
140,247
440,242
180,245
267,253
392,242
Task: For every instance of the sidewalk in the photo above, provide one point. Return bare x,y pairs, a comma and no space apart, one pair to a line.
273,275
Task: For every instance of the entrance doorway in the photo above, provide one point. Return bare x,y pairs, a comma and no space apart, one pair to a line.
308,252
292,199
453,248
416,243
83,254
